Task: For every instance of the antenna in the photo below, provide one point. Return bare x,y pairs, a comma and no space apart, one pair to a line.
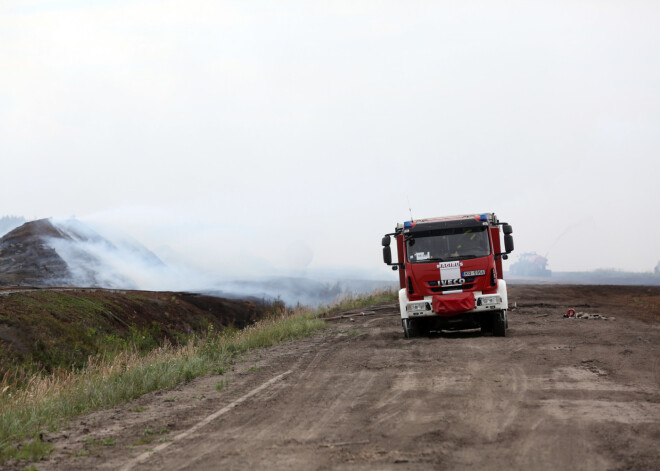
409,208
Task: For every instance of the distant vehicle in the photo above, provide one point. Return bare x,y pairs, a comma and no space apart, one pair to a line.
530,264
450,273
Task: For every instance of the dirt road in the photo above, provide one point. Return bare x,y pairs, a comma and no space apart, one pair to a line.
554,394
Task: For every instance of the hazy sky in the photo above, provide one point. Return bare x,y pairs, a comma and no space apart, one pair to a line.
250,137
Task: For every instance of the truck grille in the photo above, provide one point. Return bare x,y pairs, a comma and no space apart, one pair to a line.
440,289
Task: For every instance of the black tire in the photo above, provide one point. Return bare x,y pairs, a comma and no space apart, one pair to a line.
499,324
410,328
423,326
487,325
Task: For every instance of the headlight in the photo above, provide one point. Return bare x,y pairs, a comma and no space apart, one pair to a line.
489,300
418,306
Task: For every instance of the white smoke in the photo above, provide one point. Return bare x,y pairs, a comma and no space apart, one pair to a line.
98,255
101,256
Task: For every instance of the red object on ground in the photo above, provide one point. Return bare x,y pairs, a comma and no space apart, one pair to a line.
451,304
570,313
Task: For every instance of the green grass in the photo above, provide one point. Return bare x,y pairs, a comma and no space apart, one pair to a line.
32,450
100,441
47,401
359,301
148,435
108,442
222,384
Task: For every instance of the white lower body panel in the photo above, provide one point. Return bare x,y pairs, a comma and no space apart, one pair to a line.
483,303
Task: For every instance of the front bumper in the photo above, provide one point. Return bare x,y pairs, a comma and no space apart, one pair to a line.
482,303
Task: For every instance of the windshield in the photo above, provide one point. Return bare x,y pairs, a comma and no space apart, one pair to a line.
448,244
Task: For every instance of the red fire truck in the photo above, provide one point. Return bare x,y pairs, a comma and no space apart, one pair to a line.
450,273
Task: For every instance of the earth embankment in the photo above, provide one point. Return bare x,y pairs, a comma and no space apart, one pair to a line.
50,328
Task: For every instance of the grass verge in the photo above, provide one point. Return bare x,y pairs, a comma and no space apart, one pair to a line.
47,401
359,301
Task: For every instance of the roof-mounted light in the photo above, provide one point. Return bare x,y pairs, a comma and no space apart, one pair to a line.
407,224
483,217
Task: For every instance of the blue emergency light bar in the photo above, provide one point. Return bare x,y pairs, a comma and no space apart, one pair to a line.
407,224
483,217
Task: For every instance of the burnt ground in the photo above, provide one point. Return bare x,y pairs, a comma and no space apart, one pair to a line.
49,328
554,394
27,259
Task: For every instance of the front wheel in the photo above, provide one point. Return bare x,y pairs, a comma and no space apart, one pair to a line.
409,328
487,325
499,324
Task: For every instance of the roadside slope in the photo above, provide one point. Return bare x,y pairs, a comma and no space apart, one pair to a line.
47,329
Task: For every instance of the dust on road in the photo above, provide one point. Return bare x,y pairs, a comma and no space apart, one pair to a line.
554,394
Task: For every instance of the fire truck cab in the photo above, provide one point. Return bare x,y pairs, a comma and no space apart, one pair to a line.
450,273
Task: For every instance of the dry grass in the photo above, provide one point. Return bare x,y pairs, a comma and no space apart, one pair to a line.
358,301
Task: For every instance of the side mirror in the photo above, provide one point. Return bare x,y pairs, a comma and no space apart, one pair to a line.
386,241
507,229
387,255
508,243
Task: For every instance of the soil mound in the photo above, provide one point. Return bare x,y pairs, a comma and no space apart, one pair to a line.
27,259
68,253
